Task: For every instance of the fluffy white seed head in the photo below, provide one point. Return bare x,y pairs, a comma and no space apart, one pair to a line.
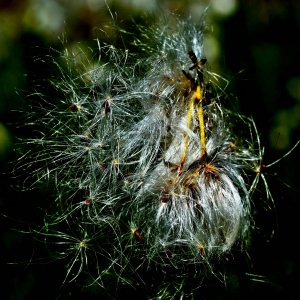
143,144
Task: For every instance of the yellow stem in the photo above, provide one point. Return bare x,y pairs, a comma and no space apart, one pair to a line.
187,136
201,121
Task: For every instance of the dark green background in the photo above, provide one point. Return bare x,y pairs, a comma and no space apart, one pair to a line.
259,38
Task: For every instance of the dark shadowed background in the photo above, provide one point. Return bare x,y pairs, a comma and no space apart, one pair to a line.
254,44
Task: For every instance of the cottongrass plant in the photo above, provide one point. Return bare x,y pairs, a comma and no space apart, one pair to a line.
144,161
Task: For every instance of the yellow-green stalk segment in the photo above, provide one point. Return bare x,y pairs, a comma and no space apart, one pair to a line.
196,96
187,136
201,121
